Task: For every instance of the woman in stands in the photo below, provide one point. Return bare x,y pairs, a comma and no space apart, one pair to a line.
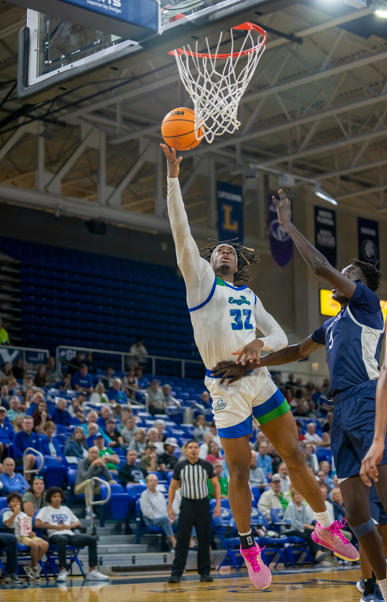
213,452
200,428
337,503
65,383
139,442
99,395
49,445
75,409
17,423
6,371
41,378
160,426
27,397
35,497
76,444
40,417
130,383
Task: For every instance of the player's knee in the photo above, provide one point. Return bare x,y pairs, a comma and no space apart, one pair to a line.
239,473
363,529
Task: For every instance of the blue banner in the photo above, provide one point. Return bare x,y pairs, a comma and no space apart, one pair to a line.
281,245
368,238
325,233
230,211
10,354
144,13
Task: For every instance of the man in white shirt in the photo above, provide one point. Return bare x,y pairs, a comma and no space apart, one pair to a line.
311,435
60,522
257,476
154,508
203,451
285,481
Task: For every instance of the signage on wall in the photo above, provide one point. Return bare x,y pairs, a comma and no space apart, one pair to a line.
230,211
281,245
368,238
325,233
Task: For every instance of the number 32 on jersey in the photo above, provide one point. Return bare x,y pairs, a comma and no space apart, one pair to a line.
241,319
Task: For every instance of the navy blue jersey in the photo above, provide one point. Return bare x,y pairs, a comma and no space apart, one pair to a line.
353,341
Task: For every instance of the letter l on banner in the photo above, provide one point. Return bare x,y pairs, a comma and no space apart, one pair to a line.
230,211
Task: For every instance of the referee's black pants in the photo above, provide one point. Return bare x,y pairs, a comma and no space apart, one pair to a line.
193,513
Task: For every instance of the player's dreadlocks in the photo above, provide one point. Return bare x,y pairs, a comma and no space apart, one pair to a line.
245,256
370,273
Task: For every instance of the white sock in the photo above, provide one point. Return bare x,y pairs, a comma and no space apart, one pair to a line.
244,534
383,588
324,519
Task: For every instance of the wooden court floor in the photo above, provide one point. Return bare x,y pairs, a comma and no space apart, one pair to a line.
327,586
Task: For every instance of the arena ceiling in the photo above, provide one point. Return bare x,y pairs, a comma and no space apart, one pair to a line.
316,108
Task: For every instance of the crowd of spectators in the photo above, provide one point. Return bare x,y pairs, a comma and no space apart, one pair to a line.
106,441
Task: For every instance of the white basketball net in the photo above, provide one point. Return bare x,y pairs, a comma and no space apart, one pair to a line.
216,89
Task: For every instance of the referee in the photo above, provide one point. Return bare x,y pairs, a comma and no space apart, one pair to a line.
194,510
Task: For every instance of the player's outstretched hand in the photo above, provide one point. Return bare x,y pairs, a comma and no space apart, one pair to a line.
250,352
369,466
172,163
283,208
231,371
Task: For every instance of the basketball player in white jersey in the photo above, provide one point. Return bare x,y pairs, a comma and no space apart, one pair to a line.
225,318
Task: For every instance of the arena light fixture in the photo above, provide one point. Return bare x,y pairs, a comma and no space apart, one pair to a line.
379,8
323,195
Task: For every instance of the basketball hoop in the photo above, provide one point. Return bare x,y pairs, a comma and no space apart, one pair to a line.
216,90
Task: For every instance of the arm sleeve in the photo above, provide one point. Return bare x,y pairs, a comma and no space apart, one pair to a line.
275,338
319,335
198,275
365,307
72,517
176,472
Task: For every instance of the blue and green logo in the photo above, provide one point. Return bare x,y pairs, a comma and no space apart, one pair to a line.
239,301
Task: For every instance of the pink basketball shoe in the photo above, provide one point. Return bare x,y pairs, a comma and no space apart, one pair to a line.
333,539
259,573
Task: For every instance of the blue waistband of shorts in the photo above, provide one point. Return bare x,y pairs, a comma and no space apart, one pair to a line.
209,373
368,387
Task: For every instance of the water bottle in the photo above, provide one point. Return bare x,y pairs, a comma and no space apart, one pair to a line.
288,523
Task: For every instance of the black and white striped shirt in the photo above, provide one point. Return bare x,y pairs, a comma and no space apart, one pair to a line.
193,478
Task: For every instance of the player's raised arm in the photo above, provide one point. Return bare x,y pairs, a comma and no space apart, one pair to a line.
197,272
369,466
315,260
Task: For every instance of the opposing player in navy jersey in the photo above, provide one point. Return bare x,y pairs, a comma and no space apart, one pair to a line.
353,342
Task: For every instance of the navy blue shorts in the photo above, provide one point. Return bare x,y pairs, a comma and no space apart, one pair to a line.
353,427
378,513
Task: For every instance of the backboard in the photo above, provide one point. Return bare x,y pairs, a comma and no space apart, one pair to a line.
57,53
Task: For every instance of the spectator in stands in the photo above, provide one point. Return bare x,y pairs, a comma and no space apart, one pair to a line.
116,393
275,458
322,480
53,374
116,440
108,380
200,429
310,457
223,482
109,456
159,424
75,409
60,522
14,409
300,526
203,449
18,369
130,383
272,498
257,476
7,433
154,508
311,436
76,444
89,361
4,336
28,396
92,432
149,461
260,439
35,497
166,390
25,438
65,383
215,436
153,437
337,503
326,469
92,418
6,371
139,442
205,400
49,445
41,378
60,415
285,481
38,546
27,383
99,395
156,398
167,460
12,481
9,543
264,461
92,466
105,414
131,472
75,363
40,417
302,408
213,452
325,386
82,380
129,429
137,353
18,423
301,437
5,397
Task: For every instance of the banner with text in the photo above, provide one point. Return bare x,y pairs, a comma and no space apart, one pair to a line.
230,211
325,233
368,237
281,245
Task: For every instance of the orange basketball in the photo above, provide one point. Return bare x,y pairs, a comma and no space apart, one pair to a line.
178,129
